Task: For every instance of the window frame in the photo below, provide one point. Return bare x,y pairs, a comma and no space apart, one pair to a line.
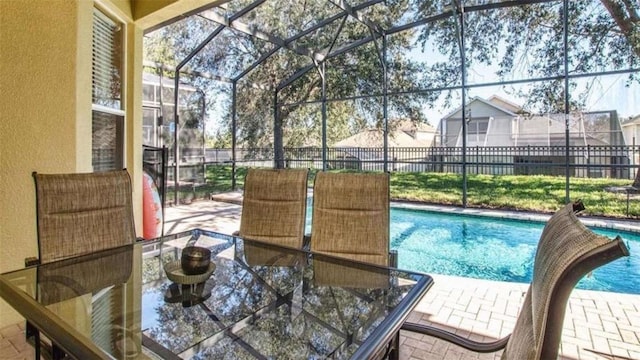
118,113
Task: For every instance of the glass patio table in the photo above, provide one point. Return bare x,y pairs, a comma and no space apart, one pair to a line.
260,302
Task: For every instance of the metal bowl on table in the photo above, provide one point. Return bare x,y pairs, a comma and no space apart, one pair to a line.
195,260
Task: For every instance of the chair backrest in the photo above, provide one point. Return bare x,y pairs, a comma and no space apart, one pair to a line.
351,216
335,273
83,213
566,252
274,206
74,277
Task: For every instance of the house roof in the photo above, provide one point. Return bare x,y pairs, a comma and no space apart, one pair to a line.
374,138
495,101
634,120
149,78
504,104
409,126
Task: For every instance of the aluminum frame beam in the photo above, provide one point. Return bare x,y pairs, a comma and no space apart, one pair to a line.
303,33
248,30
256,63
405,27
332,19
352,12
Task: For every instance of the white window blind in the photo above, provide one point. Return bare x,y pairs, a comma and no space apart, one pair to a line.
107,61
107,115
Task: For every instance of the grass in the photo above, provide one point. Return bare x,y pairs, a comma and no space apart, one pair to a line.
537,193
513,192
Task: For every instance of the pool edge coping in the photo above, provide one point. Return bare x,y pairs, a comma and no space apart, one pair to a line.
525,216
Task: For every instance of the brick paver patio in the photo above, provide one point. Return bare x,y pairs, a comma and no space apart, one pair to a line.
598,325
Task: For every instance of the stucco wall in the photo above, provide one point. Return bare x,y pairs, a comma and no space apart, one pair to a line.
45,90
39,111
45,104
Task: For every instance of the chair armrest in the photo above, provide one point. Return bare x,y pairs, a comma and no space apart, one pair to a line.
481,347
393,258
30,261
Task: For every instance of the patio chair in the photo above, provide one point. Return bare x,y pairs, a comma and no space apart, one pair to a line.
82,213
634,188
260,254
566,252
351,221
335,273
351,216
274,206
79,214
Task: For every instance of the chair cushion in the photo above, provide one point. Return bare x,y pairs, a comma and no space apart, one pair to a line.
274,206
83,213
351,216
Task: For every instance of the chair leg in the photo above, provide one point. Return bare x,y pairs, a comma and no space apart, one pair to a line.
56,352
36,345
32,333
394,354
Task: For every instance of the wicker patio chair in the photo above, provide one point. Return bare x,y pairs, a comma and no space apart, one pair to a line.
636,182
566,252
79,214
82,213
351,216
259,254
274,206
634,188
351,221
334,273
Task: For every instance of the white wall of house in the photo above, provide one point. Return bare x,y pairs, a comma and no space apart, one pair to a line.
631,133
498,130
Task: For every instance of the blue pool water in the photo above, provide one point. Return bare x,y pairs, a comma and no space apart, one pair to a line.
494,249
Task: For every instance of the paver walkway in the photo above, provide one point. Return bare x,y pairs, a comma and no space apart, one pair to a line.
598,325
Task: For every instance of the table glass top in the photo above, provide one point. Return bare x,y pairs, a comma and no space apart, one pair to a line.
260,301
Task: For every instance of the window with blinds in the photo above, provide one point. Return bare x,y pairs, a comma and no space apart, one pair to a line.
107,115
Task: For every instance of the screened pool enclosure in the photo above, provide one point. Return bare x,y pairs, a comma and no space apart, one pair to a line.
462,87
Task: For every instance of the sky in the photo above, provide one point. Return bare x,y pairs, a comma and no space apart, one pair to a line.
607,92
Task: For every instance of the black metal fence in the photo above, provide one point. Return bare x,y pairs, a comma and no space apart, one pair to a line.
583,161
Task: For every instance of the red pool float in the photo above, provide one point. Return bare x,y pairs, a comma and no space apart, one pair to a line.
151,208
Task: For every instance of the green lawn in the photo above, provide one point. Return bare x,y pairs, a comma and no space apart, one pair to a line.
532,193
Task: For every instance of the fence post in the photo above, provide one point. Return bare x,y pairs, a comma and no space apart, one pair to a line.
528,159
588,160
477,159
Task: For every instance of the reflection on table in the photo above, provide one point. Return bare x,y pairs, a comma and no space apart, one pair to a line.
262,301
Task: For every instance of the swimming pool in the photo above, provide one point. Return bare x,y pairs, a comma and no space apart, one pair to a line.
494,249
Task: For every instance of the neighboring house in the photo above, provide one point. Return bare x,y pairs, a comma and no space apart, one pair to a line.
631,130
407,135
498,122
631,133
158,126
364,150
158,109
495,124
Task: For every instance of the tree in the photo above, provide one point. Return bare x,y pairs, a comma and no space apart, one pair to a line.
516,42
166,48
296,125
602,35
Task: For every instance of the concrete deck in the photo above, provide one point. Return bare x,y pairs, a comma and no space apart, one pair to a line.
598,325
